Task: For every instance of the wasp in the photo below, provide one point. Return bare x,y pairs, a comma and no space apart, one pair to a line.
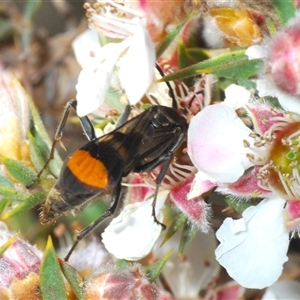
139,145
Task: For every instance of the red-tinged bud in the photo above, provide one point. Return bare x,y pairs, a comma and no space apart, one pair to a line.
122,284
284,60
197,211
19,268
19,260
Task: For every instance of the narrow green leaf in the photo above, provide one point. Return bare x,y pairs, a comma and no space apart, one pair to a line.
43,141
242,70
74,279
156,269
284,9
177,223
169,39
240,206
188,234
18,170
182,55
3,203
12,194
122,264
248,84
234,64
271,26
52,284
26,205
6,28
6,245
5,182
35,154
31,8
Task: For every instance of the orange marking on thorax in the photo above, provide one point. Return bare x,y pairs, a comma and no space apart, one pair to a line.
89,170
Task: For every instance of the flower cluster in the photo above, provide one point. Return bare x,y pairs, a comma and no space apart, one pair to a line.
239,138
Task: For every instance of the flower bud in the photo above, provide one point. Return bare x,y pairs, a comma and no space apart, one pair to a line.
284,60
19,268
122,284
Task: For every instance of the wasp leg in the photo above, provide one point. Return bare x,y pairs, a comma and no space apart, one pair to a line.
123,119
109,212
166,160
85,124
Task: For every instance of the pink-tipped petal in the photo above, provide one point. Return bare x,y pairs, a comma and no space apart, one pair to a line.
215,143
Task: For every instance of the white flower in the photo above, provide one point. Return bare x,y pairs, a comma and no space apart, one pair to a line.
134,57
134,232
253,249
256,245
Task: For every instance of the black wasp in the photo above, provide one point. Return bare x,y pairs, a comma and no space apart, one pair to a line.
139,145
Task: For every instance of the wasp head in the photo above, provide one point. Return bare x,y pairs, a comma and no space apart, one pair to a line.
54,207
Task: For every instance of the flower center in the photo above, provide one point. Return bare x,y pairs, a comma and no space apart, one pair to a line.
284,157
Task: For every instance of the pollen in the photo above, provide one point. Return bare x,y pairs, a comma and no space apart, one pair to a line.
284,157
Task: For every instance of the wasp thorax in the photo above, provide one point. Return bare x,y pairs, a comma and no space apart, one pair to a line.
283,170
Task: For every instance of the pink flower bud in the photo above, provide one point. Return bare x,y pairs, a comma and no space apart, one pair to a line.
197,211
18,261
284,60
122,284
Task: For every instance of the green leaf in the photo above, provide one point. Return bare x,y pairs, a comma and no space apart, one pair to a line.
6,28
19,170
182,55
5,182
156,269
271,26
188,234
285,9
248,84
240,206
241,70
74,279
31,8
26,205
43,141
52,283
6,245
234,64
3,203
177,223
12,194
35,154
169,39
122,264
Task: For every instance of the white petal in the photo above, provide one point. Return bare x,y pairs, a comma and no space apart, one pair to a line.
236,96
282,290
137,66
87,48
89,95
215,143
187,277
134,232
253,249
256,52
94,81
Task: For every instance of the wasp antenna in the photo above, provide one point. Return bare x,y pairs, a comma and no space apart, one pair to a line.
172,94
